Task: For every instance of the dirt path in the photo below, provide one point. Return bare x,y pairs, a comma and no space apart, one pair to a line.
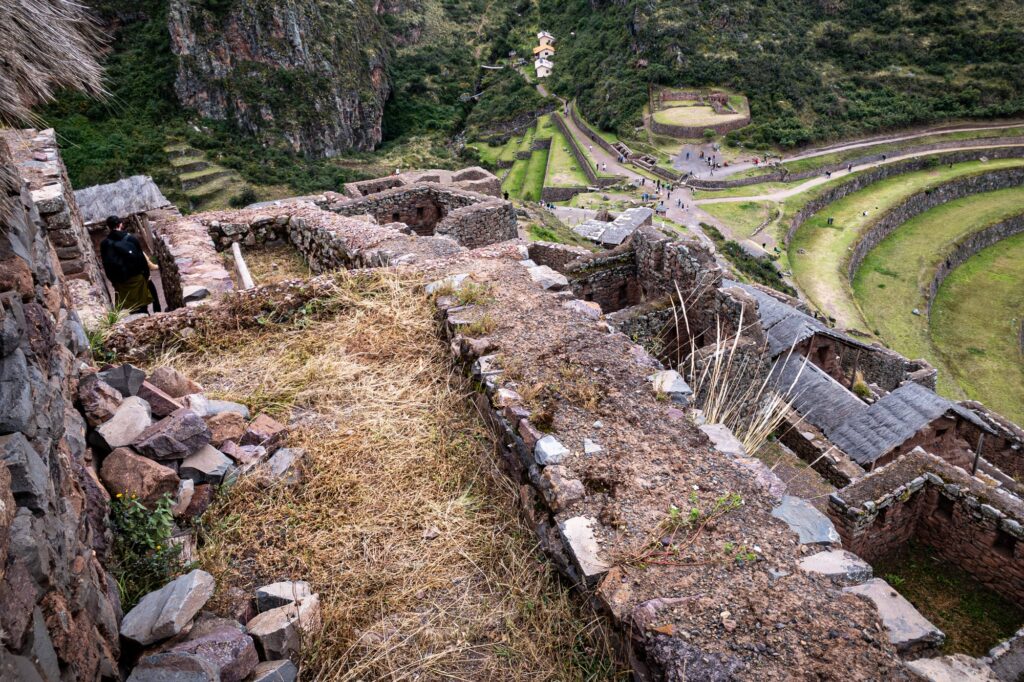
814,182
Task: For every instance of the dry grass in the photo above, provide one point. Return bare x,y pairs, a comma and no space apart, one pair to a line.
45,45
404,526
270,264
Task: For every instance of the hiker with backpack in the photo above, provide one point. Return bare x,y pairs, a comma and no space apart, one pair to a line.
127,267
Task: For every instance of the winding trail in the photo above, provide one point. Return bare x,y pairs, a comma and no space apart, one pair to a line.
860,144
821,180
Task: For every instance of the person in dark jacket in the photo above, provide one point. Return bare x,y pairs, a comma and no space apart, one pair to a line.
127,268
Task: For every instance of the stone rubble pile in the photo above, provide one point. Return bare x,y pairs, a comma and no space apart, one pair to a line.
160,435
157,436
186,643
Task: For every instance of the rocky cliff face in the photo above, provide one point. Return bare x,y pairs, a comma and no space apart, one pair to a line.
309,71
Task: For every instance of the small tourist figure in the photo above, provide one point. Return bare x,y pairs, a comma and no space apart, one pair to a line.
127,267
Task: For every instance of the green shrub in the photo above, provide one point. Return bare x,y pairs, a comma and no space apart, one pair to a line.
244,198
143,558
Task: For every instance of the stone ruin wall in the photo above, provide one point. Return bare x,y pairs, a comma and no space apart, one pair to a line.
608,280
919,496
470,218
37,157
884,367
917,204
974,243
60,610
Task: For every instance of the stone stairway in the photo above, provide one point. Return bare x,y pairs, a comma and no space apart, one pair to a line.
207,185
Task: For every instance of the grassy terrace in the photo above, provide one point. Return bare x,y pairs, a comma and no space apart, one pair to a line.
410,533
894,278
821,270
894,148
976,321
745,217
563,169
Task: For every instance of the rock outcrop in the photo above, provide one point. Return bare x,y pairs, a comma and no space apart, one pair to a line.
308,71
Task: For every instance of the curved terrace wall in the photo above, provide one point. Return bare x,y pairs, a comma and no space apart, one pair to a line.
863,179
957,188
697,131
971,245
781,175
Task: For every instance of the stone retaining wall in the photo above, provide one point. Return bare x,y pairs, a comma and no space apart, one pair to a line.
37,157
922,497
863,179
781,175
60,612
968,247
555,256
591,133
696,132
581,158
917,204
554,194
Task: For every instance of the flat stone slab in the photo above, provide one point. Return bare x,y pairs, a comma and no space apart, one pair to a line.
206,465
672,384
908,629
549,451
548,279
165,612
811,525
578,534
724,440
281,593
955,668
845,568
131,419
275,671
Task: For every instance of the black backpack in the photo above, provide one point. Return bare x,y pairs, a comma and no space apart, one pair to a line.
123,259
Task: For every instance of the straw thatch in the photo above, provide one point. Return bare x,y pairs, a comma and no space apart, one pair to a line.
45,45
125,197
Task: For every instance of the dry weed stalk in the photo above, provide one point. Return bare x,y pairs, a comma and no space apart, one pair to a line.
732,388
404,525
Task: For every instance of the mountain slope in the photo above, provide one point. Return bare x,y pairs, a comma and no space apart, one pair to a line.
813,69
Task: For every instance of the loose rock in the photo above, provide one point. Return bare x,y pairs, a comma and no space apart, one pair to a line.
282,593
160,402
225,426
173,667
130,420
173,437
165,612
99,399
173,383
265,431
279,632
224,645
124,471
126,379
206,465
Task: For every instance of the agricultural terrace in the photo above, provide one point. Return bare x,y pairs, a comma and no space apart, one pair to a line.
814,159
894,278
692,114
819,252
976,323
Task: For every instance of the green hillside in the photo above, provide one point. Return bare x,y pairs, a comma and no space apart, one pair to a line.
813,69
